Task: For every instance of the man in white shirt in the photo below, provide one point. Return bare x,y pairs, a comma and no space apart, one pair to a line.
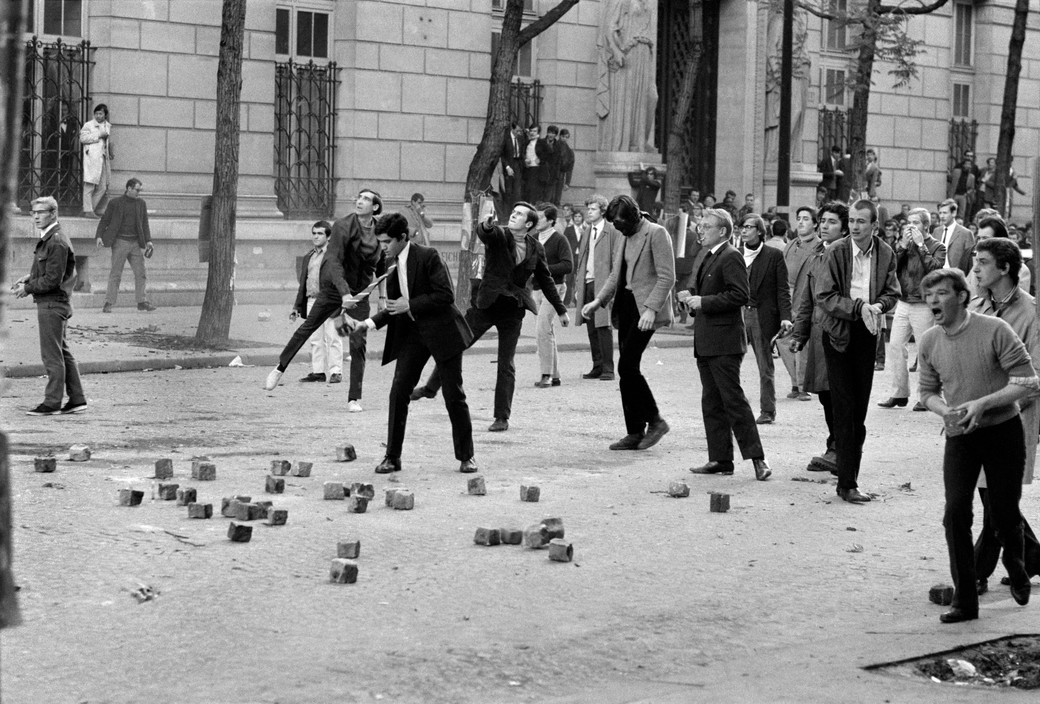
957,239
596,251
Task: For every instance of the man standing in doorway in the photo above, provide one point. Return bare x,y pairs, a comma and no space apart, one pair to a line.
124,228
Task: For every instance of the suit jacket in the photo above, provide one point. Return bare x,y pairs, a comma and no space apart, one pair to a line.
603,262
769,290
721,280
431,309
836,281
508,158
548,164
958,249
826,167
504,277
650,272
326,283
566,161
808,327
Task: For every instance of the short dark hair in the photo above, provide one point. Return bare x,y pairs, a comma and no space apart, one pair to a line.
324,225
532,212
418,196
997,224
779,228
552,129
954,276
1005,254
864,204
565,132
393,225
839,209
623,206
377,202
811,211
133,183
102,107
835,149
549,209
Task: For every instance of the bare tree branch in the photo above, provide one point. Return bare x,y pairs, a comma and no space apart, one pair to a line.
545,21
813,10
918,10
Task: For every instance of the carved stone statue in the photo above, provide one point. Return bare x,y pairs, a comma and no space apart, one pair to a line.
626,90
800,67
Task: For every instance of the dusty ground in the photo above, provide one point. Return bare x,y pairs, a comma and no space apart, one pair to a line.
658,586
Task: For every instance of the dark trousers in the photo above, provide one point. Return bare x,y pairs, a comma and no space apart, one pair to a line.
828,415
413,356
760,345
637,400
987,545
506,316
323,309
1000,451
850,374
726,410
62,372
601,340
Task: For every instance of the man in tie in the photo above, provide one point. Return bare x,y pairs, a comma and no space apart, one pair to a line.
596,252
421,321
956,238
512,163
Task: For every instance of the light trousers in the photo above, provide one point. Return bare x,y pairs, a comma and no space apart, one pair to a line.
907,318
326,347
545,334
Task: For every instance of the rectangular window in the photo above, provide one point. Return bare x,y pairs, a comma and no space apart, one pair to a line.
57,17
835,35
524,60
834,87
962,40
961,104
306,31
500,5
281,31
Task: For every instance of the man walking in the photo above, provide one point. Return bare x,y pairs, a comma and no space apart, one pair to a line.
768,309
719,291
50,282
564,165
973,371
917,254
595,263
560,261
124,228
797,255
513,256
857,287
421,321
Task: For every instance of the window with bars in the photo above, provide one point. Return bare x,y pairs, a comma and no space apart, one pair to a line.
60,18
834,87
961,100
301,33
835,35
963,19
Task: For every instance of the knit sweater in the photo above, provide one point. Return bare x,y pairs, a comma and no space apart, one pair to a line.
971,363
559,258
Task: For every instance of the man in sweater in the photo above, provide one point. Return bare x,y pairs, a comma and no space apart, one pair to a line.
974,370
797,255
560,260
124,228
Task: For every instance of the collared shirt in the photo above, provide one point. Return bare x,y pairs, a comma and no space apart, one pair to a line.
402,270
947,236
590,269
859,287
314,271
531,158
44,231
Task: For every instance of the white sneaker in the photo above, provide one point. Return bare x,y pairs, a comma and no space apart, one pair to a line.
272,380
354,407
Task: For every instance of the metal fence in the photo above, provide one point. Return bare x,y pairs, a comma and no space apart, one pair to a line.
834,130
55,105
962,139
525,102
305,138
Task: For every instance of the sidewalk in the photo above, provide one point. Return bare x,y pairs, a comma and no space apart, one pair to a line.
131,340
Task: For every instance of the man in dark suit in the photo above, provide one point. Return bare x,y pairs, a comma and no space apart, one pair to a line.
548,169
565,165
422,321
768,308
513,163
830,167
512,256
857,287
719,291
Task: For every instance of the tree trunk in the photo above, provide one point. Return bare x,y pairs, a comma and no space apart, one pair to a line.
12,69
676,145
215,321
861,97
1006,141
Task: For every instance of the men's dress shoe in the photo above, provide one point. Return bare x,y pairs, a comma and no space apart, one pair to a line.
107,308
146,306
981,586
713,467
388,465
853,496
765,418
556,381
956,615
762,470
1021,593
469,466
421,392
336,379
879,366
827,462
499,425
654,432
594,374
606,377
272,380
71,407
893,402
44,410
920,406
313,377
1005,581
629,442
